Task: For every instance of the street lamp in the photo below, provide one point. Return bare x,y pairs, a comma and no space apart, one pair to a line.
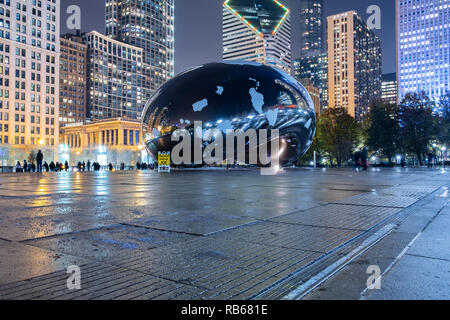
41,142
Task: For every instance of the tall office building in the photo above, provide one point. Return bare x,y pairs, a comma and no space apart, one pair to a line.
148,25
423,47
258,31
315,70
29,77
354,68
72,89
389,88
115,78
312,23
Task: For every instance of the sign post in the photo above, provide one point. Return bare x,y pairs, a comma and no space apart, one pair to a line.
164,162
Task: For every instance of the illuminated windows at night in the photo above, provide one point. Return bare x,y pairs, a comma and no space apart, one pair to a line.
423,47
258,31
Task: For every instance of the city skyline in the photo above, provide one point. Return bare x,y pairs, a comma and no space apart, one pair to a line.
198,33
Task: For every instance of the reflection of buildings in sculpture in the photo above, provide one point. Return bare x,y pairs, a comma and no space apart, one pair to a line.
257,31
314,93
314,69
389,88
354,68
72,101
113,140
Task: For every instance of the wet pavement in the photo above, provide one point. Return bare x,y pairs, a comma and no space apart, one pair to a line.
189,235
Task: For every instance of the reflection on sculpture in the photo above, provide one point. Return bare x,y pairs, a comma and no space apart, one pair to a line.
231,95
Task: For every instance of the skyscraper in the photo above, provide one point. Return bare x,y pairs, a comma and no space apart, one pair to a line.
423,51
315,70
311,28
258,31
148,25
72,100
115,78
354,68
389,88
29,76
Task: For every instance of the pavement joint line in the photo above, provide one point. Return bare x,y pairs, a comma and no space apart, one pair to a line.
67,234
334,268
397,259
407,248
372,206
161,229
320,226
427,257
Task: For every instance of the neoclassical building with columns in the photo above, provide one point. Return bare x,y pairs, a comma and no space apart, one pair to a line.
107,141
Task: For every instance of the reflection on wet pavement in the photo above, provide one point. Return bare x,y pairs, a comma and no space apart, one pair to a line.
195,234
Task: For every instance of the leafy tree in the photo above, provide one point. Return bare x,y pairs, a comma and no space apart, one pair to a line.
417,123
308,156
444,119
338,134
383,130
32,157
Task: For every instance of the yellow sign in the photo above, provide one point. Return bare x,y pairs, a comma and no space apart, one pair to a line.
164,161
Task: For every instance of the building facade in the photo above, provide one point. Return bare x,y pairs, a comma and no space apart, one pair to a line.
389,88
72,77
115,80
312,25
315,70
314,92
423,47
148,25
257,31
354,68
29,77
108,141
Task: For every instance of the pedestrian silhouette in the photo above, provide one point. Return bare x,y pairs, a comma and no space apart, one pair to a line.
39,159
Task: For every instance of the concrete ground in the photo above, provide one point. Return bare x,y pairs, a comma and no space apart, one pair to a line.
225,234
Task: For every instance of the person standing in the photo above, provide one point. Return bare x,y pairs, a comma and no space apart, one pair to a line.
39,158
89,165
430,160
66,166
25,166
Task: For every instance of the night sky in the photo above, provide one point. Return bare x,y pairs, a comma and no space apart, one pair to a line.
198,26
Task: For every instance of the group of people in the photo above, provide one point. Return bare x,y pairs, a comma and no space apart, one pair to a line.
144,166
41,166
361,159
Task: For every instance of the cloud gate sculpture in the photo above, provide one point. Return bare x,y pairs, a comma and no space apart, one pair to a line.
231,95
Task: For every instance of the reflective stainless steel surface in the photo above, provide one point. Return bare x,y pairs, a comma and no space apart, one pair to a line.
231,95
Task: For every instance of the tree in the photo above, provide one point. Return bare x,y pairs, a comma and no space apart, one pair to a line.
383,129
31,157
444,119
338,134
417,123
